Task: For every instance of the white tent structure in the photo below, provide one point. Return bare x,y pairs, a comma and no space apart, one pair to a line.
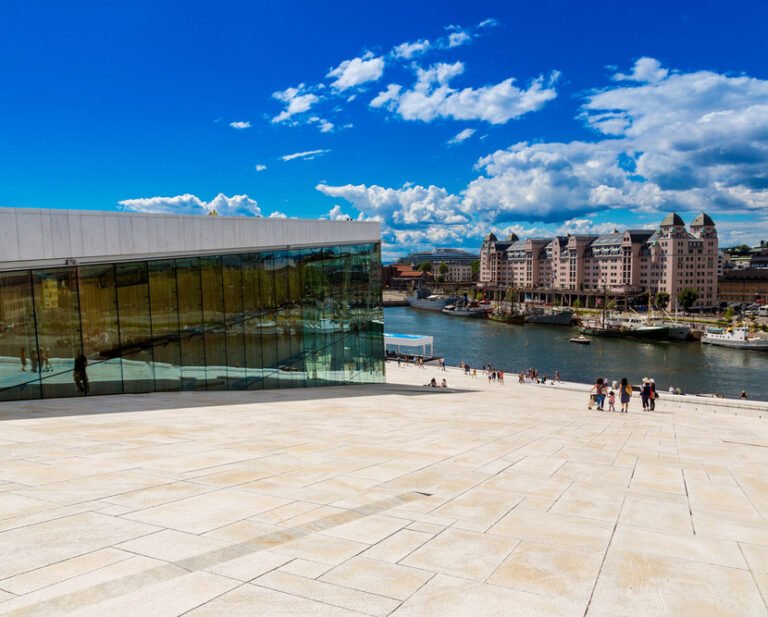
409,340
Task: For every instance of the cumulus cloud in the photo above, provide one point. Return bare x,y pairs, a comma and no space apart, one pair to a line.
460,37
260,167
356,71
461,136
648,70
410,205
278,215
308,155
237,205
432,97
337,214
409,50
325,126
297,101
240,125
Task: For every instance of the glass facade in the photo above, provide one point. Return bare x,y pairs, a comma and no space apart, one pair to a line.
277,319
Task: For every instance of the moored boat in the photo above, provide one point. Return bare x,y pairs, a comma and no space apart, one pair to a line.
425,300
553,316
465,310
738,338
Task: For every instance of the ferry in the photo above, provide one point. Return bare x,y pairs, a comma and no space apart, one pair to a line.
734,337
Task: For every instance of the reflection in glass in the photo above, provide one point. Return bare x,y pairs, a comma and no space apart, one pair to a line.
19,375
58,330
135,329
101,338
276,319
164,319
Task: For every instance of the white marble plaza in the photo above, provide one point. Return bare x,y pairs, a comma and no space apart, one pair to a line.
476,500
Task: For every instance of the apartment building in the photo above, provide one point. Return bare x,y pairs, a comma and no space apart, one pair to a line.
622,264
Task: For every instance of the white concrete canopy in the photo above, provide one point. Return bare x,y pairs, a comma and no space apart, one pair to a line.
34,238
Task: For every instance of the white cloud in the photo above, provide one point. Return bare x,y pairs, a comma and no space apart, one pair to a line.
409,205
325,126
337,214
647,70
385,97
456,39
298,101
462,136
240,125
237,205
357,71
406,51
588,227
307,155
278,215
431,97
260,167
491,22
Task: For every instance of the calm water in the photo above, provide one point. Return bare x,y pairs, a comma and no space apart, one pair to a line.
694,367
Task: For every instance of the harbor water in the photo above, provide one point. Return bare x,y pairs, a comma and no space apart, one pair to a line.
690,366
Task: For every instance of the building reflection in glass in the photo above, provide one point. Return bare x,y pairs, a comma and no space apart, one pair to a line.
277,319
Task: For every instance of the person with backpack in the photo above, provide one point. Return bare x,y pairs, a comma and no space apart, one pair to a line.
625,395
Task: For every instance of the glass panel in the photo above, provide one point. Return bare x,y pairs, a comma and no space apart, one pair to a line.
101,341
294,319
58,332
253,321
235,320
191,324
135,328
164,311
20,362
270,329
213,322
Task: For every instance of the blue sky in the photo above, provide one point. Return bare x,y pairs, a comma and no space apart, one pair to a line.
443,120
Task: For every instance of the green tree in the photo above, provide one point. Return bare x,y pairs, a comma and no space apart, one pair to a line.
611,305
475,269
662,299
440,278
425,266
728,314
687,297
576,304
442,269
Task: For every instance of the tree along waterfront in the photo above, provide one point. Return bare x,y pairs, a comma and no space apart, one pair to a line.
690,366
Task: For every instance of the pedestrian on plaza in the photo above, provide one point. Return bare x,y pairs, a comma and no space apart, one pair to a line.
645,393
80,374
611,401
625,394
34,359
444,384
23,359
474,373
557,376
743,395
599,390
654,396
501,377
442,363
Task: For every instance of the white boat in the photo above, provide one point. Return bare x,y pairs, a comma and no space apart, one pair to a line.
580,340
422,299
734,337
638,327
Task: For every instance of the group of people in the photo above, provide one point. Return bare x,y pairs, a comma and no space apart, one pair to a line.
40,363
602,392
433,383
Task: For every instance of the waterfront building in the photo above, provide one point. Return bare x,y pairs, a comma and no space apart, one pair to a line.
125,303
620,264
457,263
404,277
743,285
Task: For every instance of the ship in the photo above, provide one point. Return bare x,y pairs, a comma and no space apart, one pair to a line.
738,338
463,308
426,300
637,327
550,316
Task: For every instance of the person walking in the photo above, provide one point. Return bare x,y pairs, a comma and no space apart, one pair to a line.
611,401
625,394
23,359
599,389
80,374
645,393
652,398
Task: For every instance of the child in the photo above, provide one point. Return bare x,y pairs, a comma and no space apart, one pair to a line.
611,401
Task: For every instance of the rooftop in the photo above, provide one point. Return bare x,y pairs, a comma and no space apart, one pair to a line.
383,500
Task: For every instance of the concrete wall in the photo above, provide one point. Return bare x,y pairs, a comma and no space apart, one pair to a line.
33,237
